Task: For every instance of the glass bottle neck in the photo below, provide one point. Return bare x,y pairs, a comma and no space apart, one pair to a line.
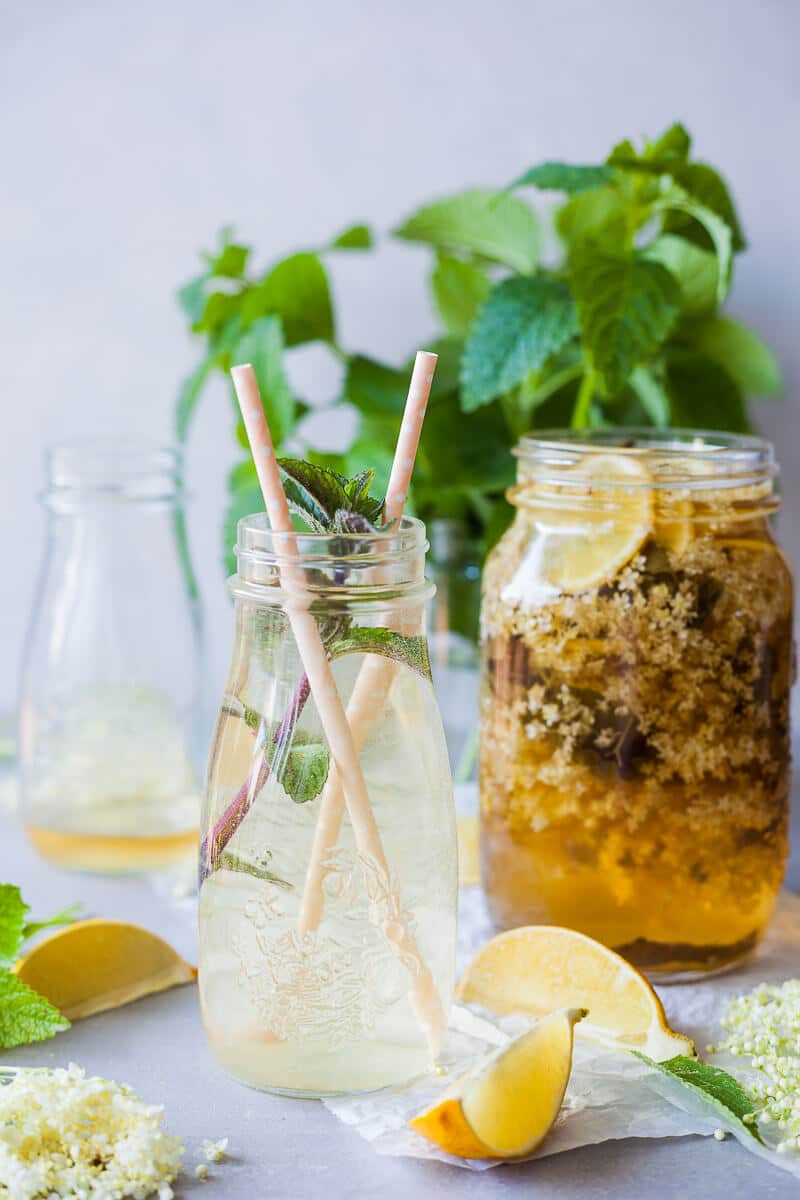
108,474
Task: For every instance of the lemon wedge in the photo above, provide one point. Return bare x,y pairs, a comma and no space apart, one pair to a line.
596,525
506,1105
538,968
95,965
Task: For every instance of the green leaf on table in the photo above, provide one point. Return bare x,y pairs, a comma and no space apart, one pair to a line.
373,387
713,1085
13,916
596,215
231,261
262,346
297,291
524,322
188,396
459,289
652,395
564,177
401,648
486,223
748,361
357,237
703,395
66,917
25,1016
695,269
626,305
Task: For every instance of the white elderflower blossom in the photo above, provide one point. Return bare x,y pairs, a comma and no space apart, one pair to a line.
764,1026
215,1151
64,1135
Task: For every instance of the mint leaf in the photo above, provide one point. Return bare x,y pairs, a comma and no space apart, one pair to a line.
314,493
304,771
712,1084
360,639
459,289
748,361
663,156
66,917
244,499
652,395
707,187
357,237
235,862
13,915
374,388
262,346
25,1016
487,223
703,395
597,214
296,290
188,397
523,323
694,268
230,263
564,177
672,147
219,308
677,200
627,306
192,297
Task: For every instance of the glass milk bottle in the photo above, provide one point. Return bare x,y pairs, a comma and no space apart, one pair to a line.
326,967
110,687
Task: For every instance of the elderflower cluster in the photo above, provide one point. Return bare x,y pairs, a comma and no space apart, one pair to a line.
64,1135
764,1026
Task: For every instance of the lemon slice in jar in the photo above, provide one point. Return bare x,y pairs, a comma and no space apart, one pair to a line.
596,525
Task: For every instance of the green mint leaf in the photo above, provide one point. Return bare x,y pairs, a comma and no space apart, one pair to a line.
219,309
564,177
13,915
677,200
462,456
304,770
661,157
262,346
235,862
713,1085
492,225
192,297
297,291
707,187
359,639
313,493
703,395
357,237
599,214
25,1016
231,262
188,397
626,307
673,146
244,499
66,917
695,269
523,323
459,289
748,361
374,388
652,395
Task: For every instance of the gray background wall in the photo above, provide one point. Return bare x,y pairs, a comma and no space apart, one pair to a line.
131,132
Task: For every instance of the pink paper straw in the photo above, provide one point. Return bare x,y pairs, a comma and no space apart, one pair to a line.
344,755
376,674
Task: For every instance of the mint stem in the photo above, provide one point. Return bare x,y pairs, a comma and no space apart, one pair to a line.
580,415
224,829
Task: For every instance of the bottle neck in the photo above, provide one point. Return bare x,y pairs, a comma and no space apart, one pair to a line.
106,474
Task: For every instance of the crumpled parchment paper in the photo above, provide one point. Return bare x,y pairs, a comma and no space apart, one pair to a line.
610,1095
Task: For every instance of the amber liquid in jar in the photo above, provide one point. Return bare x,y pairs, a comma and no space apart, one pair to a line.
637,661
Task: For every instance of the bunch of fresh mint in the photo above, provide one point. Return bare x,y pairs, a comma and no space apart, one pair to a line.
25,1016
619,325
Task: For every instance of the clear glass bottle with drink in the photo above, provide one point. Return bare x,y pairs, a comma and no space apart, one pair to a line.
637,663
325,967
109,706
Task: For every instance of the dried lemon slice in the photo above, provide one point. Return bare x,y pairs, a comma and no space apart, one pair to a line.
538,968
596,525
95,965
506,1106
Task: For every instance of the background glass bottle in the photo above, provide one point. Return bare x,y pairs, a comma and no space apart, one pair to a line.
110,689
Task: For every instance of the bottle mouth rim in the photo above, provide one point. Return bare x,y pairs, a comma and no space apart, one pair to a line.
670,458
114,467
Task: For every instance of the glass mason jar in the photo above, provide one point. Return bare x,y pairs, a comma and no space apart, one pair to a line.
326,965
637,661
109,706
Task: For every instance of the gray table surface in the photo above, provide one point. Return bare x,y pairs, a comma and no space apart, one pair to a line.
292,1149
